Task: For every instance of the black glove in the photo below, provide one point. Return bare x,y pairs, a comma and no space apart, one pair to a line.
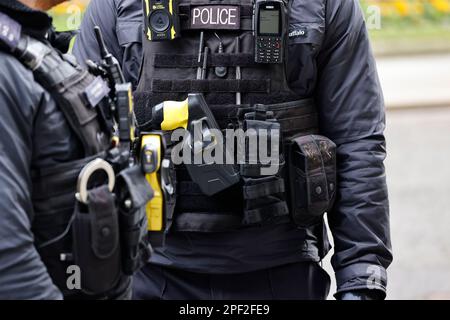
61,40
360,295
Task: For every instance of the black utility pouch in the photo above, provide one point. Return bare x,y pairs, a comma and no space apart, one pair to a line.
312,178
96,242
263,185
261,131
135,192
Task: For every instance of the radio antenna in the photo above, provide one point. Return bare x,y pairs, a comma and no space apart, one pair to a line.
200,51
238,70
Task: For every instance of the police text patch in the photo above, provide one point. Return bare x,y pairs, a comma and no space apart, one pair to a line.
216,17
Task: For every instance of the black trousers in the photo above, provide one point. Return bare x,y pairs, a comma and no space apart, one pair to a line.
298,281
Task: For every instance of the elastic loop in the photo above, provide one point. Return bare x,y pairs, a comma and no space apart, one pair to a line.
214,60
225,86
263,189
261,215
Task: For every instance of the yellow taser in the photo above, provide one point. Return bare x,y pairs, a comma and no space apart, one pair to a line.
151,154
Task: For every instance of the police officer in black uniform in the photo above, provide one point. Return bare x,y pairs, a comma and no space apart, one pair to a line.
56,127
329,61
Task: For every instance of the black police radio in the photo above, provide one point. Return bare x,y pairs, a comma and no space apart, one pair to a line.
270,20
162,21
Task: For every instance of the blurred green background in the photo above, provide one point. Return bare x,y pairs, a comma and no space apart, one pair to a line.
396,26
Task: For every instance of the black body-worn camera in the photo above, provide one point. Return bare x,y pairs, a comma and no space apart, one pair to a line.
162,21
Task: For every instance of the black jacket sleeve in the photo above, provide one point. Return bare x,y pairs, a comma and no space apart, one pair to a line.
23,275
352,114
121,25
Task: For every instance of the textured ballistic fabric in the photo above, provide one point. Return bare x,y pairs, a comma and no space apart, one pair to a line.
334,63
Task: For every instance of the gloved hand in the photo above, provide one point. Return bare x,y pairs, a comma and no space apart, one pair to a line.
61,40
360,295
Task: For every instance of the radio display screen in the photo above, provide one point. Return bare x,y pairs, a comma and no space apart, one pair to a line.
269,22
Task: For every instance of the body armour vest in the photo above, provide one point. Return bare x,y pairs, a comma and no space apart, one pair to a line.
169,72
54,188
80,96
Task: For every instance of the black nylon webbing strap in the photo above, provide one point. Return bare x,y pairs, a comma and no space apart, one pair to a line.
214,60
255,86
298,108
251,170
307,123
300,124
261,215
300,116
263,189
191,199
67,84
207,222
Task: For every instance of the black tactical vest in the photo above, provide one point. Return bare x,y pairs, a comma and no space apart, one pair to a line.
54,188
169,72
80,96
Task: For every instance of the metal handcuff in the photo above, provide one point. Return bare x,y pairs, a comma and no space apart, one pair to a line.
85,174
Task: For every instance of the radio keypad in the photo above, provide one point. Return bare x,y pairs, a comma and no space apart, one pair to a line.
269,50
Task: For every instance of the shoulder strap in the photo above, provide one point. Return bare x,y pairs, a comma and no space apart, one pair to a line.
75,90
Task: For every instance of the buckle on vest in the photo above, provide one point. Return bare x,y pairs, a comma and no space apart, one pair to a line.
87,172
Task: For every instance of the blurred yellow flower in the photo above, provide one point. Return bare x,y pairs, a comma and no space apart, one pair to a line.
386,9
406,8
402,7
441,5
417,8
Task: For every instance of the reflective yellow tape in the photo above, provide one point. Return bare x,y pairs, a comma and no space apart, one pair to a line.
147,7
172,31
131,115
72,43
